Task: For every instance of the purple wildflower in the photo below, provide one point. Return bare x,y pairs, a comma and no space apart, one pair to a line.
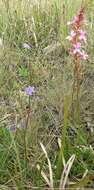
29,90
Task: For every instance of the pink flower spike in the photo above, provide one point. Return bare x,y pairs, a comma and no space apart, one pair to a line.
84,55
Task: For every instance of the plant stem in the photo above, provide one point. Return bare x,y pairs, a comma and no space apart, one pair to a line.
25,135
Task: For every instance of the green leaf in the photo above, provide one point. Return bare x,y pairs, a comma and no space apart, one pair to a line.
23,72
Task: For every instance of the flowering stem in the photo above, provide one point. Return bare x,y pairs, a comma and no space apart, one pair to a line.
77,38
25,133
30,71
77,99
73,90
76,90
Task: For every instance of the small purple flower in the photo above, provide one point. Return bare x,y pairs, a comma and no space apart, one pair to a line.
29,90
26,46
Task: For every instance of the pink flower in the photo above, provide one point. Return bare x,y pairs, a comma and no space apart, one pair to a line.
77,35
83,55
82,35
75,19
76,48
72,35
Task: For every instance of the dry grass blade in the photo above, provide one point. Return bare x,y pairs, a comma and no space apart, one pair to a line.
3,187
50,168
44,176
34,34
65,173
63,159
